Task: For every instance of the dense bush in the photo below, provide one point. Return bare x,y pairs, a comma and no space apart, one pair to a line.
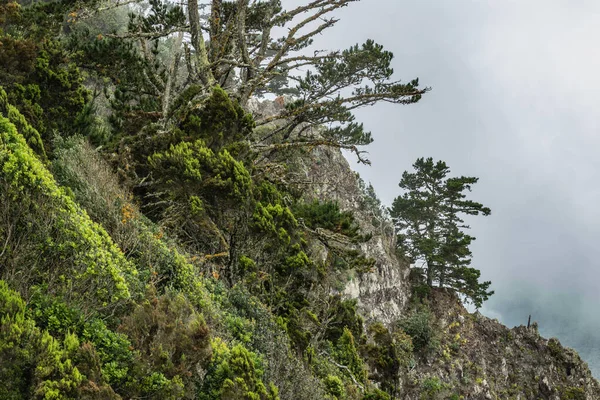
327,215
31,135
41,367
39,77
346,353
388,354
172,339
419,326
49,234
235,373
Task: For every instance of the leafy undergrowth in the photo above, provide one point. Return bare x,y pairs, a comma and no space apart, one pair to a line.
98,301
202,281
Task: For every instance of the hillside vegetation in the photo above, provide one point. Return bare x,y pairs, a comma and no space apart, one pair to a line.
159,238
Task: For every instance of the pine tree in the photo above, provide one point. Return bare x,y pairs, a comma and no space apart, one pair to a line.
159,74
430,228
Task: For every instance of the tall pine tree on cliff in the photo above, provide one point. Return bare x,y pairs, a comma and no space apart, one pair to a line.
430,227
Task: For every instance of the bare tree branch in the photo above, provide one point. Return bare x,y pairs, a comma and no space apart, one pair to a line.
311,144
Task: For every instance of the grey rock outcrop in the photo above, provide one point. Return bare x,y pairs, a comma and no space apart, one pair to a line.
480,358
382,294
325,174
475,357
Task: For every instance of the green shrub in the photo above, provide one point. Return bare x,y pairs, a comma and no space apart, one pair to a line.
31,135
95,187
430,387
193,188
419,326
334,386
52,314
172,339
63,247
342,313
235,373
346,354
40,366
45,86
292,376
110,351
327,215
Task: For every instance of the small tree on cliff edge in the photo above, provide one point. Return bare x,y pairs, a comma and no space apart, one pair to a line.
430,229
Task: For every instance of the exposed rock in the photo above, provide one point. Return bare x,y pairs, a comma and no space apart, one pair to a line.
477,357
383,293
545,388
480,358
324,173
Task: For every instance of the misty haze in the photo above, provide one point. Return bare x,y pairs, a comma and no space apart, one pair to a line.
514,101
299,199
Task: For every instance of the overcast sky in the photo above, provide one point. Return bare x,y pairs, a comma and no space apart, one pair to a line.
515,101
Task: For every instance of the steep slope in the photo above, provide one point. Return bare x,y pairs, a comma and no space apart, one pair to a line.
93,289
47,231
479,358
323,173
468,356
382,294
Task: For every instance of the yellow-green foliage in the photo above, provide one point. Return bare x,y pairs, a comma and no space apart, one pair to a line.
154,354
298,261
334,387
347,354
46,87
80,168
196,190
235,373
31,135
37,366
274,219
71,252
195,163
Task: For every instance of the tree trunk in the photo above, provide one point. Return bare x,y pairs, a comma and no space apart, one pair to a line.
172,75
215,28
202,63
429,274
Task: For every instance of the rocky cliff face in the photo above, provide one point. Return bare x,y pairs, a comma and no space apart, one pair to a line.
475,357
479,358
323,173
382,294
